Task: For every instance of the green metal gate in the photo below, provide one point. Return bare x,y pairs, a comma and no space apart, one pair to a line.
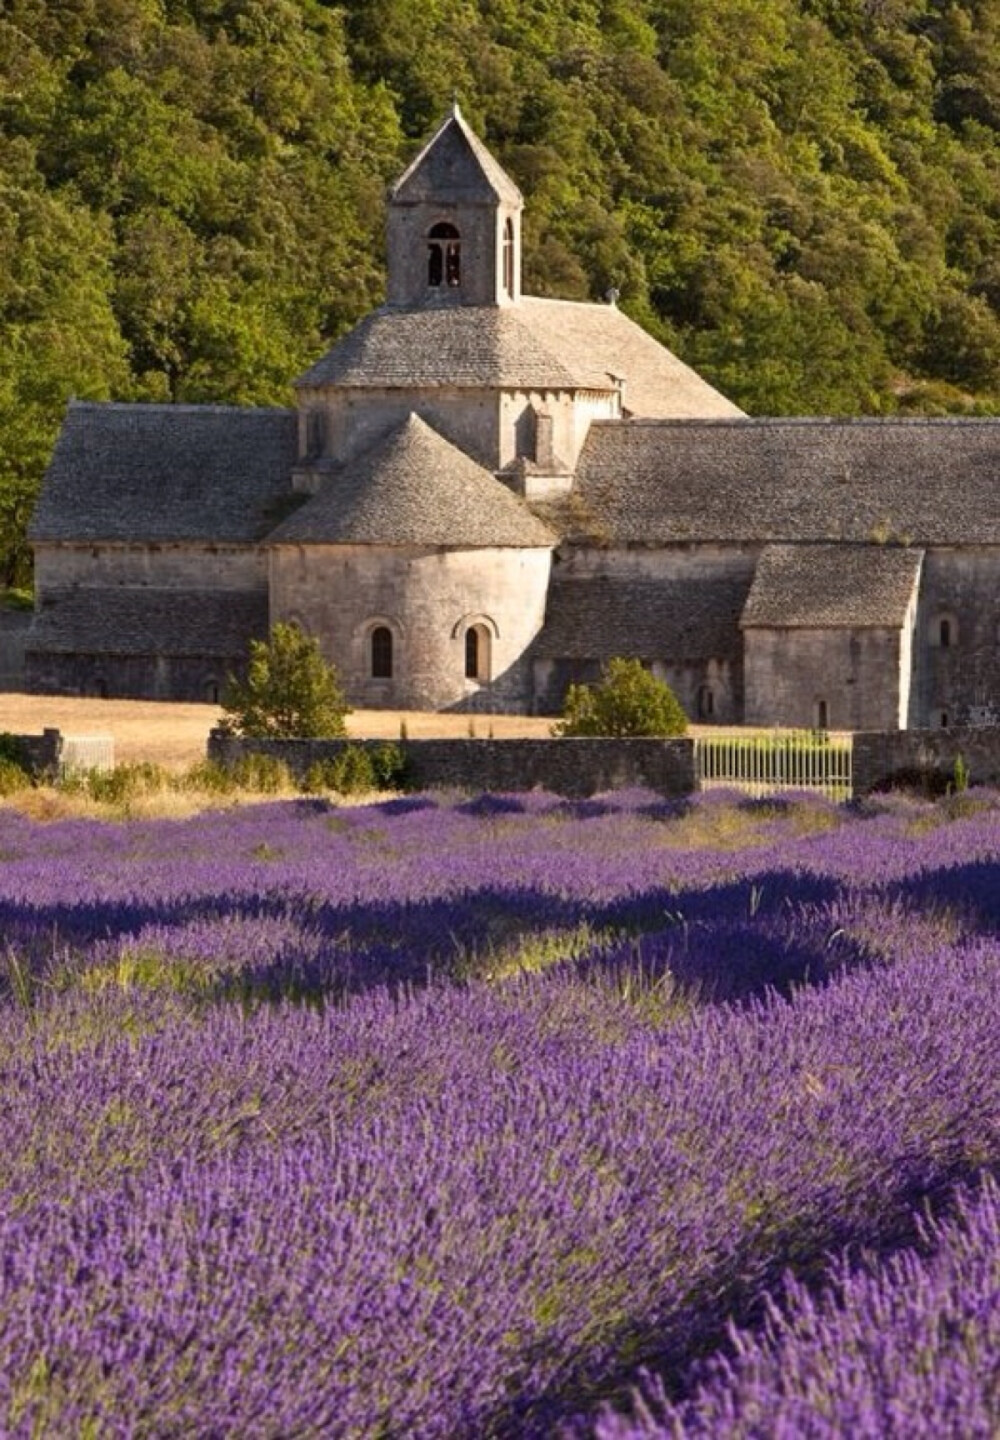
764,763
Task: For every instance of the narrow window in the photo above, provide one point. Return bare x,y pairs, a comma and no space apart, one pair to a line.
444,256
822,715
212,691
381,653
944,634
315,434
706,703
508,258
477,653
943,719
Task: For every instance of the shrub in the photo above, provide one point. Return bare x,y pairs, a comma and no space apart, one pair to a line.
357,769
628,701
14,751
13,777
117,786
264,773
290,692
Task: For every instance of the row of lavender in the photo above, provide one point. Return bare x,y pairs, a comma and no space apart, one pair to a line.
480,1208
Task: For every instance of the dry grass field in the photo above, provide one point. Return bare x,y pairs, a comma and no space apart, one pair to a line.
174,735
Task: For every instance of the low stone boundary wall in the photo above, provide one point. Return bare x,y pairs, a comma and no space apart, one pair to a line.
53,751
564,767
925,757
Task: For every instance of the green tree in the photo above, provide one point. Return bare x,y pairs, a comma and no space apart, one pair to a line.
628,701
290,692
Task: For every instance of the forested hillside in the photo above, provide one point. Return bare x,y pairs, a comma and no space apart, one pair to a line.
802,197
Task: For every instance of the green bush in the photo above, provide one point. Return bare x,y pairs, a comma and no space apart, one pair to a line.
628,701
14,751
265,774
117,786
13,777
290,692
349,773
356,769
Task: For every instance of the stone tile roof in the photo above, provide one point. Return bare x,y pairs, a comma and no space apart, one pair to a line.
413,488
454,163
150,621
166,472
533,344
920,481
831,586
598,617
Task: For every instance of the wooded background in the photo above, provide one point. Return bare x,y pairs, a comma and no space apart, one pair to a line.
800,197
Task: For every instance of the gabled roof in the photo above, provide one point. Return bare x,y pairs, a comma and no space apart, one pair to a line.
454,165
800,587
533,344
923,482
413,488
150,621
166,472
600,616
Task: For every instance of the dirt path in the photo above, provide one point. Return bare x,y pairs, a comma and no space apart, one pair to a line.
175,735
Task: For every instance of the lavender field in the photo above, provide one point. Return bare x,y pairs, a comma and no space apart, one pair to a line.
503,1117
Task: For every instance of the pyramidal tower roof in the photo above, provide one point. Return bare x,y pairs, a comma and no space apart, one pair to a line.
414,488
456,163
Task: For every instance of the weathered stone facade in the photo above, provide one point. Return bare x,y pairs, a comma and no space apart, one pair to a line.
482,496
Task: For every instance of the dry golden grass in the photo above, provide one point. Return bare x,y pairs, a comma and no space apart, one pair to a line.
175,735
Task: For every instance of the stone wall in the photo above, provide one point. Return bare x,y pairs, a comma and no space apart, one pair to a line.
188,566
52,751
428,598
14,627
133,677
856,673
958,669
925,757
355,419
564,767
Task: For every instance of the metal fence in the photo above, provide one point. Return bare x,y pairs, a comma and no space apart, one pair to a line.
87,752
771,761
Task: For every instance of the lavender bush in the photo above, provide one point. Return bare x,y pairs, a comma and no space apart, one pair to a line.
442,1118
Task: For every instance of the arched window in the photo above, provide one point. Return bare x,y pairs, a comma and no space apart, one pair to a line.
706,703
381,653
822,715
444,256
944,632
477,653
508,257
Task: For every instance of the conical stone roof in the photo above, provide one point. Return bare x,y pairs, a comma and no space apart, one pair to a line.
414,488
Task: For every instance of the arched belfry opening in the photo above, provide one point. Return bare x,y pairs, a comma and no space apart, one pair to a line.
509,254
444,256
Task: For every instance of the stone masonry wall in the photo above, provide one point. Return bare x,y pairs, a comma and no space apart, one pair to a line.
882,757
564,767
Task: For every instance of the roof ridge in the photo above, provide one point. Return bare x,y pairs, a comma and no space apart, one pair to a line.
177,407
777,422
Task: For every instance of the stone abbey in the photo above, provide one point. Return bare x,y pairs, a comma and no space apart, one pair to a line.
482,496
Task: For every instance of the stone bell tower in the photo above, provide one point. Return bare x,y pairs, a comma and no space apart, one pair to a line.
454,225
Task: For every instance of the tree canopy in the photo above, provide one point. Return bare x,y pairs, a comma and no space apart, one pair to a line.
289,691
801,197
628,700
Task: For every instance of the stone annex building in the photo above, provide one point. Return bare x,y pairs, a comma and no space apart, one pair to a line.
482,496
